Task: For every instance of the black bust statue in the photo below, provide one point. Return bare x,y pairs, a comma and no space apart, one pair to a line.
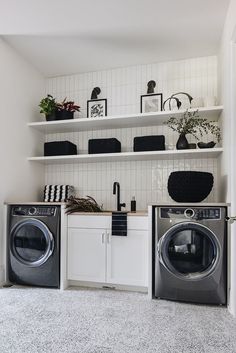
151,85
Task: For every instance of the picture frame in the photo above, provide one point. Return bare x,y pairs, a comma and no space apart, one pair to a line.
96,108
150,103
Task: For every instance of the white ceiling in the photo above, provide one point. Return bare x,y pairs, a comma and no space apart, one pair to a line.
71,36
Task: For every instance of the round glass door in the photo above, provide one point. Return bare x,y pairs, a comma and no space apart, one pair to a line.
31,242
189,250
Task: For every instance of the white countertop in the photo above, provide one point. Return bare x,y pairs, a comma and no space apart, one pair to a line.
103,213
33,203
137,213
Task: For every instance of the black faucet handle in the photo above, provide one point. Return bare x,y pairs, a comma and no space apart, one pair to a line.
122,205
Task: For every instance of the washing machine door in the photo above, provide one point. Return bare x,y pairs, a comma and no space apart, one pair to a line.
31,242
189,250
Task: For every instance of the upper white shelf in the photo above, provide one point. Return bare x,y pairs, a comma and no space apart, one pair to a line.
119,121
131,156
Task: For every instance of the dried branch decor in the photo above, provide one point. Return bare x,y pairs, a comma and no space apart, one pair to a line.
81,204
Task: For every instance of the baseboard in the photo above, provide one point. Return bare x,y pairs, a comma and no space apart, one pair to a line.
107,286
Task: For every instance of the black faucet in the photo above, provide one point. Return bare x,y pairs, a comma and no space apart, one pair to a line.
116,190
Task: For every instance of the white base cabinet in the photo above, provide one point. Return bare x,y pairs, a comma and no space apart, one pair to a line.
127,259
86,254
96,256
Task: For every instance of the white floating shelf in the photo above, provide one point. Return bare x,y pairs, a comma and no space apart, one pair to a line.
120,121
130,156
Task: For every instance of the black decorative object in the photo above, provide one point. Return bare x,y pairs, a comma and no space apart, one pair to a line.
109,145
206,145
149,143
190,186
151,103
96,108
182,143
151,85
177,100
59,148
170,99
95,92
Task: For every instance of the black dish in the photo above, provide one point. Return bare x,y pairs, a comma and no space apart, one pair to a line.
206,145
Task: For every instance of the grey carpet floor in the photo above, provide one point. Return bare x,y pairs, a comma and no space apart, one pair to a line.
106,321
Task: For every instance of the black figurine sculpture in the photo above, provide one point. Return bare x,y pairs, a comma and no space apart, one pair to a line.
170,99
151,85
95,92
178,102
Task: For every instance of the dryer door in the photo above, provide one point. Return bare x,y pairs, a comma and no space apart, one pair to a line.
31,242
189,250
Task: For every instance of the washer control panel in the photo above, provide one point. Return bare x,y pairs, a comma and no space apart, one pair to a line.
36,211
190,213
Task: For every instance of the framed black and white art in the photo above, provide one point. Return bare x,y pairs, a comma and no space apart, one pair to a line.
151,103
96,108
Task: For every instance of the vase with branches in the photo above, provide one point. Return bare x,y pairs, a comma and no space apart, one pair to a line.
191,123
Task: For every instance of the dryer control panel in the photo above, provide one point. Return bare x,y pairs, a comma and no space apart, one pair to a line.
36,211
199,213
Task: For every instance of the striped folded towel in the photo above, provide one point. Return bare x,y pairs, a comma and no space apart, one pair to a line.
58,193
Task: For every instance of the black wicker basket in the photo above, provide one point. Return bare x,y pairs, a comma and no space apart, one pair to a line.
190,186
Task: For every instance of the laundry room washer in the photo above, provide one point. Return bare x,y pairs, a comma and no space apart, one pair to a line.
190,254
34,245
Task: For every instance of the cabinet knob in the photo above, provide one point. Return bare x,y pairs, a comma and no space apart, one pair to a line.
103,238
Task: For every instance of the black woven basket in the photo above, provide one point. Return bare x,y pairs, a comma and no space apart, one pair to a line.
189,186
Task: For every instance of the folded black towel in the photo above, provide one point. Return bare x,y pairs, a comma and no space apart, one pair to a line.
119,224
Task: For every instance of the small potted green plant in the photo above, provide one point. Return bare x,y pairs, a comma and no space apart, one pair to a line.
66,109
48,107
191,123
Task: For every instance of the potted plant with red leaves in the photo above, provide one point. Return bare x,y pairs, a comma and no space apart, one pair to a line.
66,109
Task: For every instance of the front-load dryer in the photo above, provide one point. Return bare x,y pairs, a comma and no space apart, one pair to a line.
190,254
34,245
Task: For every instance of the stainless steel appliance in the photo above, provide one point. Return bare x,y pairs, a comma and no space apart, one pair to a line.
190,254
34,245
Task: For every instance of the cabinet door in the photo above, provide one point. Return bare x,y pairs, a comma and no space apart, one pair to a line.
127,258
86,254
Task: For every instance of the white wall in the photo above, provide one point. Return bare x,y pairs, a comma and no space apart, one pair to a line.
146,180
21,87
227,77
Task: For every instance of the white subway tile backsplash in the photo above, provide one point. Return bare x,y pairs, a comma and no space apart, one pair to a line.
146,180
